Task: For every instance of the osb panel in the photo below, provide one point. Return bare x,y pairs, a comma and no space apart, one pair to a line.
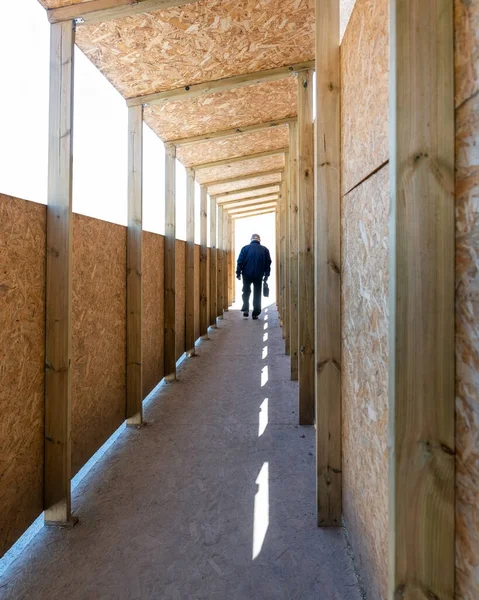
253,194
365,92
58,3
235,108
180,315
203,41
216,190
467,348
153,340
364,300
245,167
466,49
22,335
99,334
197,292
240,145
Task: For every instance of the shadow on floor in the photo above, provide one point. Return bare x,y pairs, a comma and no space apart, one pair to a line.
213,500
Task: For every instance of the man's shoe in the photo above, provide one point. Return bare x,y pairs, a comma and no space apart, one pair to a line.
255,317
246,314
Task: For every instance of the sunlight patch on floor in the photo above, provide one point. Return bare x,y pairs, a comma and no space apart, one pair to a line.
263,417
261,510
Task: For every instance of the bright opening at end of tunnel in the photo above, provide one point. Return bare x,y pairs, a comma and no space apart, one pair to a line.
261,510
263,417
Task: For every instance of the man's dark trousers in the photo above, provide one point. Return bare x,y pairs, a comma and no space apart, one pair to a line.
257,285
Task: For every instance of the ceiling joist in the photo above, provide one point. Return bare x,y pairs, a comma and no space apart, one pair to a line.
104,10
253,190
220,85
217,135
247,209
236,159
245,178
252,202
255,213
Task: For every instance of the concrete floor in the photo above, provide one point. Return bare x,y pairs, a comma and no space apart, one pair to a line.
213,500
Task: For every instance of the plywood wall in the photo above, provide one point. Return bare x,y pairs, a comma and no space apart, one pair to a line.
153,339
467,298
22,330
364,230
99,334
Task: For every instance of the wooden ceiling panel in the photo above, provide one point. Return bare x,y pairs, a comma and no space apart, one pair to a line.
217,190
244,106
58,3
203,41
245,167
275,189
240,145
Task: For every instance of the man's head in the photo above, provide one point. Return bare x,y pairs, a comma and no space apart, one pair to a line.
255,238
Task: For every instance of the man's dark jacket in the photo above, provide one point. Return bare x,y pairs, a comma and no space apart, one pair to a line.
254,261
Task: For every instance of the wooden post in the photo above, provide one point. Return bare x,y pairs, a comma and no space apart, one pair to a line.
421,309
277,261
282,256
170,263
58,332
213,292
134,391
328,266
220,265
203,261
226,266
286,201
233,258
190,263
306,248
293,250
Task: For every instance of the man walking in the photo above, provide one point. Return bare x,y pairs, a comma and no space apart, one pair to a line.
254,264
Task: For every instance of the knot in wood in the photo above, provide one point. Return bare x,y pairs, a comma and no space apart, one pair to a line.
400,592
305,83
330,87
187,88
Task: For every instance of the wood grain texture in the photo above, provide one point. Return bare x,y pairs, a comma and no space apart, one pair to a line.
134,289
328,265
153,341
421,337
213,271
245,168
58,301
180,299
364,386
99,335
235,108
170,264
230,187
197,291
220,263
293,254
306,292
22,355
204,284
190,263
467,299
364,92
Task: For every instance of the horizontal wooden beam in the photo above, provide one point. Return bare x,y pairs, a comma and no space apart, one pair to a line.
247,209
216,135
254,213
236,159
243,177
249,201
253,189
105,10
220,85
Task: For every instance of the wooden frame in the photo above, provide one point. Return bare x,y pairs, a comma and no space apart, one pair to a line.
220,85
226,267
134,296
282,258
96,11
250,201
58,329
203,263
213,265
170,263
259,205
190,264
254,213
286,200
244,177
237,159
220,265
227,133
306,294
253,189
293,251
328,266
422,294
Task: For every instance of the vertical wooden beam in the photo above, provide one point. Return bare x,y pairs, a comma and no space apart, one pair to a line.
170,262
220,265
421,336
293,250
328,266
281,210
203,263
190,263
226,267
286,202
134,391
233,258
213,267
58,333
277,261
306,248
